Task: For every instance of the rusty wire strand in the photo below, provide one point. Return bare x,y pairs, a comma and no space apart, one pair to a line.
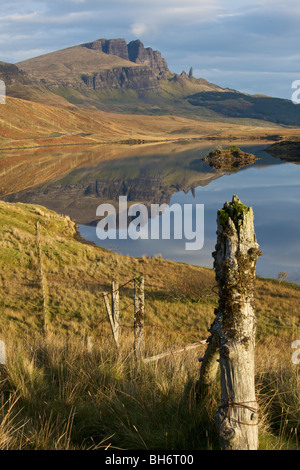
231,404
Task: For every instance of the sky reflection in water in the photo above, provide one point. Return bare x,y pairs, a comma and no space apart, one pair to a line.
272,191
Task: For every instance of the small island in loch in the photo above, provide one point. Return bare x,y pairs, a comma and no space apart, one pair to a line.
230,158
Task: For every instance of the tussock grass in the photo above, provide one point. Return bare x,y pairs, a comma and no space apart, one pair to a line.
279,394
67,397
60,395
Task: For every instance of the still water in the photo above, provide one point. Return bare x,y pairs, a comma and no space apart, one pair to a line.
75,184
270,186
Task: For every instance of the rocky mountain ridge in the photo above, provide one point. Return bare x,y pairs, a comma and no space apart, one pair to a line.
134,51
101,64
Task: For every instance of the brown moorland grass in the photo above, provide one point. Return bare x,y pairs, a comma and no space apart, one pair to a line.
29,124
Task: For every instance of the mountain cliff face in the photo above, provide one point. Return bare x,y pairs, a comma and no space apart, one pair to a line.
116,47
147,56
140,79
134,52
11,74
102,72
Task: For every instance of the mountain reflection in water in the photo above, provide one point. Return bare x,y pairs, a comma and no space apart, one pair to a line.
177,173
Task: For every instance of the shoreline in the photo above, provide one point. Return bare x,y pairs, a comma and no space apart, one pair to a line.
267,139
84,241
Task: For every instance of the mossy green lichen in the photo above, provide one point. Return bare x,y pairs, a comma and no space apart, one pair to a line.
223,217
235,210
233,148
238,208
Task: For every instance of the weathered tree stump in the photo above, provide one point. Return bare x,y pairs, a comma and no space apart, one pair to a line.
2,353
234,328
42,277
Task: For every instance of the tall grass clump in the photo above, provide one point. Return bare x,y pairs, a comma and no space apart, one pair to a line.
278,383
58,394
66,397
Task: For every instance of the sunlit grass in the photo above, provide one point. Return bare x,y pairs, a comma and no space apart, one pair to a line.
58,394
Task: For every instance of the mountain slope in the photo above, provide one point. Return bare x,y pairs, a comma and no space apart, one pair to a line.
65,67
30,124
117,77
98,65
241,105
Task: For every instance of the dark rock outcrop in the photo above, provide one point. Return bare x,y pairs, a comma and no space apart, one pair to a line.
146,56
116,47
11,74
141,79
134,52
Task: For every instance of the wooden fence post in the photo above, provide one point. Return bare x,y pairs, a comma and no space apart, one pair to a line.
139,315
3,371
235,325
115,302
46,326
110,316
89,344
2,353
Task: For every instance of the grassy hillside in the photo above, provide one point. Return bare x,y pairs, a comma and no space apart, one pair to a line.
169,101
26,124
61,396
240,105
83,271
195,99
69,64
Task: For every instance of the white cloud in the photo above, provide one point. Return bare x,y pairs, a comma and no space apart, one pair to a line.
39,18
20,17
237,35
157,18
138,29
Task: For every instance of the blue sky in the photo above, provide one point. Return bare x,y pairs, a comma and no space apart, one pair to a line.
248,45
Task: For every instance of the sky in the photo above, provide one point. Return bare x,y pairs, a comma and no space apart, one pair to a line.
248,45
